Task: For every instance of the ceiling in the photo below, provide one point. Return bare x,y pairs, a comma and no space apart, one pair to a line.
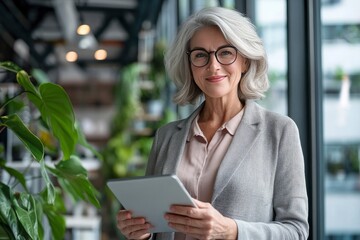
38,33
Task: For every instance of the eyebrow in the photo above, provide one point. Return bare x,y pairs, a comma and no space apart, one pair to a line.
201,48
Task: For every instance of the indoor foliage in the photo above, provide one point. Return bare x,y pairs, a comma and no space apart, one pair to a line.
22,213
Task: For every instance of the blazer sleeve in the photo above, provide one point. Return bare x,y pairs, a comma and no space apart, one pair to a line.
150,168
290,203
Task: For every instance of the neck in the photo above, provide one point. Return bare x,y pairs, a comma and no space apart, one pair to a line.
219,111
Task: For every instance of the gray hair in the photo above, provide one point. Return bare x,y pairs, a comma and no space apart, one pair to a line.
239,32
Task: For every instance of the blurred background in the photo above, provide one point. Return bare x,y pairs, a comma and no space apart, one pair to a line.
112,69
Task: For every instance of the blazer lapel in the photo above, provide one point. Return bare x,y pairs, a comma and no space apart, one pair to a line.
177,143
244,138
176,148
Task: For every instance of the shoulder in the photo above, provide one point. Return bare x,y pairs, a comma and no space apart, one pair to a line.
178,125
170,128
277,118
171,125
271,120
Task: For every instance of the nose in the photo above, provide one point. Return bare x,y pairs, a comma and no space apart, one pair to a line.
213,62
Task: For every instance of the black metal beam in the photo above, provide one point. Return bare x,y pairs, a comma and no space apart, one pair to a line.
38,15
126,25
155,12
16,29
129,53
146,10
104,25
20,28
6,47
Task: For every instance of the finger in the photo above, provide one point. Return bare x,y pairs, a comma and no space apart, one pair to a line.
137,228
199,205
136,231
183,210
183,220
123,215
198,213
131,222
187,229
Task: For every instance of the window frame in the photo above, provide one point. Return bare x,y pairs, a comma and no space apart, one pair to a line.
305,99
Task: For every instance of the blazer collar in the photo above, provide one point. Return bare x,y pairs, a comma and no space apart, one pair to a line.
188,120
251,115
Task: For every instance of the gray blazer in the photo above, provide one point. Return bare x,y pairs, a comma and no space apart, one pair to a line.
260,182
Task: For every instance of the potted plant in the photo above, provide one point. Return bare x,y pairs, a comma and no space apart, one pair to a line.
22,212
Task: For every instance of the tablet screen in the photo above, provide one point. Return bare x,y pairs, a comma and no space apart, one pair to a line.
151,197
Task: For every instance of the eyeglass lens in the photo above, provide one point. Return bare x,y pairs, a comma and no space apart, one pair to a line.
224,55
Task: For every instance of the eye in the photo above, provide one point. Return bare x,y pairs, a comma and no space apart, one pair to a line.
226,52
199,54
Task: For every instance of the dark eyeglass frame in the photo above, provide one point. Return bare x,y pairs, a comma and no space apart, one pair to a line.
209,53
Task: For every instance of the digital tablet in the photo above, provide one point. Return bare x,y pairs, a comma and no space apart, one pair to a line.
151,197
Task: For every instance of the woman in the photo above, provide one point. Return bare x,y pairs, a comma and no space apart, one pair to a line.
242,164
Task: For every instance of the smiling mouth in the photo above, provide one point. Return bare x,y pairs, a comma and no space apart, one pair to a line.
215,78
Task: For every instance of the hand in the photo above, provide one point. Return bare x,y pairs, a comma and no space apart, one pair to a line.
204,222
132,228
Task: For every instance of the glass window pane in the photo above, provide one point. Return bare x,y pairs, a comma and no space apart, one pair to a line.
341,116
271,26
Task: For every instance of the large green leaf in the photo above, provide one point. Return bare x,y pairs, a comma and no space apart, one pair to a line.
7,212
5,233
40,214
25,209
60,116
72,167
31,142
10,66
73,179
56,110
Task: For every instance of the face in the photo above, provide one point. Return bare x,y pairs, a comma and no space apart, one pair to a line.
216,80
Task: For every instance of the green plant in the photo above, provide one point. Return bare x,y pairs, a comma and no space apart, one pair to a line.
22,212
127,98
120,150
339,73
157,74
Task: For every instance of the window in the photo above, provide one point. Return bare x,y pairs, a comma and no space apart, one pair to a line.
271,26
341,118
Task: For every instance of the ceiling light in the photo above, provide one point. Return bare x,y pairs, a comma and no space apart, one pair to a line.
100,54
83,29
71,56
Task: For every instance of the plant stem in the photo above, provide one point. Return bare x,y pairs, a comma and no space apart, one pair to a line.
11,99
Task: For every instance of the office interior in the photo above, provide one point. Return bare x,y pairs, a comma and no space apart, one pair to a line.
314,68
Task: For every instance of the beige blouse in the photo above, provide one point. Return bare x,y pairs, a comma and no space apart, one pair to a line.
201,160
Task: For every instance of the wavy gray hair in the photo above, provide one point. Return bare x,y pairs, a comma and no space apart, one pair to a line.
239,32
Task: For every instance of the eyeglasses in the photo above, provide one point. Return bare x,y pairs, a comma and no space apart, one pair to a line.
225,55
